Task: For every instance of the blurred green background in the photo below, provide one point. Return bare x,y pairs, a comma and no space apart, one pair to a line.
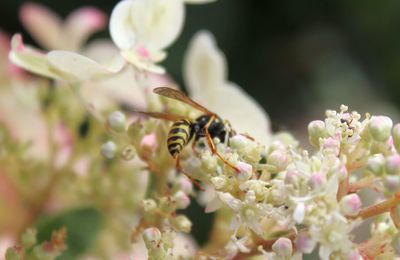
297,58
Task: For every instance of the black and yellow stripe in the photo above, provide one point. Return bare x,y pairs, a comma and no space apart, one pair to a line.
179,135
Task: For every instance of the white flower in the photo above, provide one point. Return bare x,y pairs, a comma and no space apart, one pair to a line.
205,74
142,29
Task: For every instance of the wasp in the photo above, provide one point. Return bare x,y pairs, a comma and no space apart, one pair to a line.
184,129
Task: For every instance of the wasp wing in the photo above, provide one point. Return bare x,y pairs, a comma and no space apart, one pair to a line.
165,116
178,95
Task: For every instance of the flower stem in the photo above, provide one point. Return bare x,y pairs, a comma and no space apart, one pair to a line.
380,208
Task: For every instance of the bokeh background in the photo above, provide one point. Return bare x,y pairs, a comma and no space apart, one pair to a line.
296,58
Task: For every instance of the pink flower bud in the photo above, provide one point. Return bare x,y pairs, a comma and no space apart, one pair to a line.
350,205
182,200
305,243
392,182
342,173
151,236
279,159
393,164
185,184
148,145
246,171
331,145
283,247
317,180
292,176
380,127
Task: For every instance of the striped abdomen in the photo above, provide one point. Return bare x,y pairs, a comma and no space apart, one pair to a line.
179,135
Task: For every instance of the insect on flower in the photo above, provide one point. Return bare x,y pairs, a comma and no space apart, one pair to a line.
184,129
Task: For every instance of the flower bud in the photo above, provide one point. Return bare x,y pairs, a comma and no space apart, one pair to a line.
108,149
279,159
149,205
167,205
375,163
128,152
316,130
238,141
380,128
116,120
182,223
246,171
152,237
393,164
283,247
342,173
182,200
148,145
305,243
29,238
292,177
331,146
350,205
317,180
396,136
185,184
392,182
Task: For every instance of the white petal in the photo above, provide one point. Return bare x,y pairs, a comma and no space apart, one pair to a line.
299,213
78,66
241,110
204,65
81,23
44,25
30,59
142,64
154,24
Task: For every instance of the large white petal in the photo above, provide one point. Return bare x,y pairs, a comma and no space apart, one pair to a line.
78,66
30,59
154,24
244,113
204,65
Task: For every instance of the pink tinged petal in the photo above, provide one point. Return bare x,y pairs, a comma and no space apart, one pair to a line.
83,22
305,243
44,25
350,205
77,66
30,59
142,64
317,180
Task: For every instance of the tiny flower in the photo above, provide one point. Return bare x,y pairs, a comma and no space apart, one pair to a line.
182,223
152,237
305,243
316,130
148,145
182,200
283,247
279,159
219,182
299,213
380,128
108,149
376,163
185,184
342,173
350,205
392,165
317,180
116,120
292,177
396,136
149,205
331,146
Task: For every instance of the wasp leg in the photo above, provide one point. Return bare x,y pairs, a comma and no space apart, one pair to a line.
212,146
248,136
179,168
194,148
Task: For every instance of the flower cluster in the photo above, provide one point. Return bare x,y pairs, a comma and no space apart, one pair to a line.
103,171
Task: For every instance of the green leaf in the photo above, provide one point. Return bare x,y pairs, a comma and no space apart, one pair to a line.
83,226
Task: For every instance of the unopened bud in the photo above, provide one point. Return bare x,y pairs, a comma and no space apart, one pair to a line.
305,243
350,205
316,130
108,149
283,247
148,145
185,184
279,159
396,136
317,180
182,223
167,205
116,120
182,200
376,163
149,205
128,152
380,128
152,237
246,171
393,164
392,182
292,177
